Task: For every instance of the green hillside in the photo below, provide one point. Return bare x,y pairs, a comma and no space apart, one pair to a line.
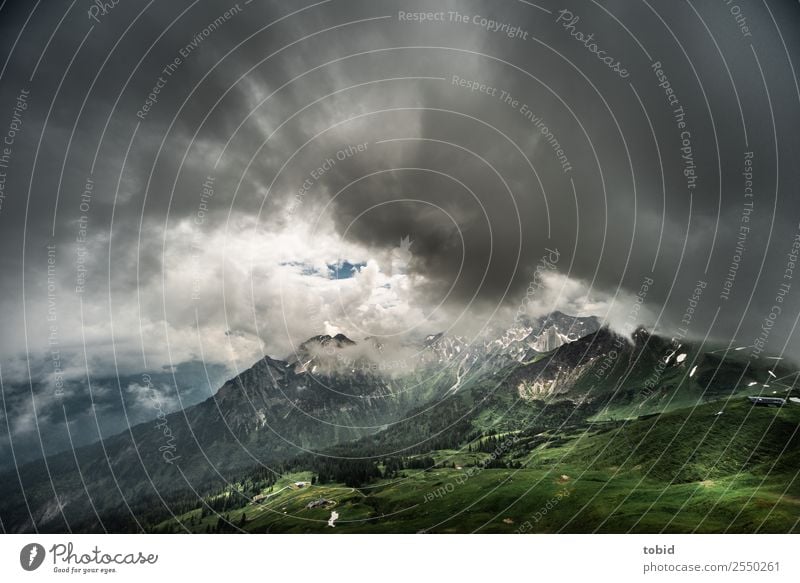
678,472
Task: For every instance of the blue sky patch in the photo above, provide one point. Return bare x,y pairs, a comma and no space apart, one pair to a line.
344,269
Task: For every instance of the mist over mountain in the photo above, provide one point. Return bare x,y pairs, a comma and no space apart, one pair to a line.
321,399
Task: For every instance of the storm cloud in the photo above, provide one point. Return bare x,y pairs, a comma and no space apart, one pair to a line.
183,182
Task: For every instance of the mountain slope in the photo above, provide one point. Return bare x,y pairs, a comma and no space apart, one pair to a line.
274,412
267,414
685,471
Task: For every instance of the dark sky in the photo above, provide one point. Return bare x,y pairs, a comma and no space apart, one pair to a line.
287,138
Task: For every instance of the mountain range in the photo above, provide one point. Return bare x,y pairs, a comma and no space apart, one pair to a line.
337,408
